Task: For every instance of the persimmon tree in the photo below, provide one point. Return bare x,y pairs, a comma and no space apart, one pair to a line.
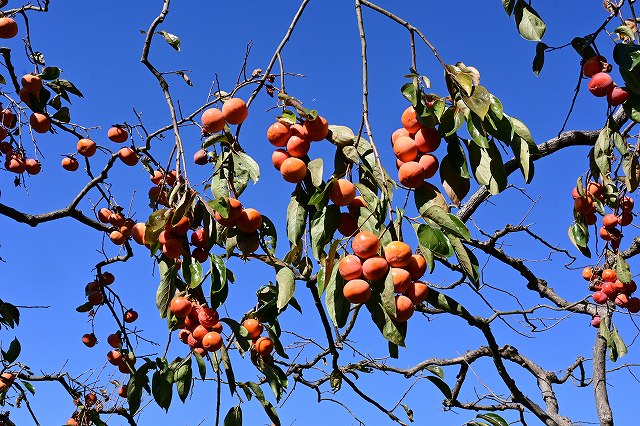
362,247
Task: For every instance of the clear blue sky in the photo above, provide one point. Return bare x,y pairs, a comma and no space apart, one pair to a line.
98,47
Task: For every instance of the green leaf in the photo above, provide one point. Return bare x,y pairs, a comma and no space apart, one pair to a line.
530,24
436,370
137,382
391,330
13,352
440,384
315,170
538,60
219,286
172,39
161,388
242,335
29,387
617,347
233,417
602,152
191,272
579,238
337,305
625,31
49,73
521,153
434,240
269,235
632,107
69,87
627,56
341,136
296,218
182,379
244,161
323,226
228,369
451,120
387,294
477,132
286,286
631,169
447,221
622,269
62,115
410,93
493,419
479,102
166,288
466,258
202,367
508,6
85,307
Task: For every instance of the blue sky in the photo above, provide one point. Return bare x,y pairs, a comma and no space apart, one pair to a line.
98,48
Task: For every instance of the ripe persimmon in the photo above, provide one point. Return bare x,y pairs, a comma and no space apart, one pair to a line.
298,147
201,157
31,83
212,341
417,266
356,204
39,122
278,134
293,170
117,238
399,132
108,278
404,308
15,164
254,328
350,267
601,84
130,316
123,391
183,335
357,291
114,340
587,273
365,244
264,346
417,292
347,224
95,298
342,192
427,139
128,156
104,214
633,305
410,121
617,96
401,279
8,27
235,111
200,254
137,232
26,96
199,238
199,332
593,65
33,166
180,306
299,130
375,268
430,165
250,220
86,147
234,211
181,227
398,254
411,174
278,156
405,149
208,317
8,118
627,204
609,275
610,220
316,129
71,421
599,297
114,357
212,120
248,243
172,249
117,134
89,340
